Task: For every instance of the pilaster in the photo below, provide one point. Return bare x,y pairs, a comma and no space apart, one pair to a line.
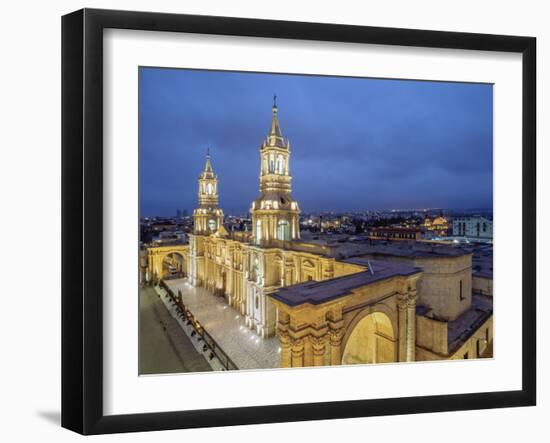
402,325
411,325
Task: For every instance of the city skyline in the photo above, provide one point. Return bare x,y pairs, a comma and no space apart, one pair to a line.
357,144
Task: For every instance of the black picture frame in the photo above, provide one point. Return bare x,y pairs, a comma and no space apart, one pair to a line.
82,216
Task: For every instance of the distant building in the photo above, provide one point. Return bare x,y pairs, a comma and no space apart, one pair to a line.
438,226
396,233
169,237
473,227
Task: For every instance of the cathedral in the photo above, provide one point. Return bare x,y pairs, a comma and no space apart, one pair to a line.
329,303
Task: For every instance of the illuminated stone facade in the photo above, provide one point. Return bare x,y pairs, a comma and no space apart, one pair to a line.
328,305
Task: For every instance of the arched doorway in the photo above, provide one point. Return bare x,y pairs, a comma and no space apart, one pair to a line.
174,266
372,340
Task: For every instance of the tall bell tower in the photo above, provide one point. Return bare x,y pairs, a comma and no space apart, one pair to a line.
275,214
208,217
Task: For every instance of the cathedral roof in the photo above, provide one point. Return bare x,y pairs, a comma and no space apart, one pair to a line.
317,292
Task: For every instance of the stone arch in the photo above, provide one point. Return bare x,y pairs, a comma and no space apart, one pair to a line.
156,266
371,337
174,264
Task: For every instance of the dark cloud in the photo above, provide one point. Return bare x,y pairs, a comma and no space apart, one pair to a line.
356,143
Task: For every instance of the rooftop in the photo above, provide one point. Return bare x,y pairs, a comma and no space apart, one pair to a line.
482,261
317,292
342,248
465,325
416,249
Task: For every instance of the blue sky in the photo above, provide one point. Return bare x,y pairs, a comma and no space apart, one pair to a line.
356,143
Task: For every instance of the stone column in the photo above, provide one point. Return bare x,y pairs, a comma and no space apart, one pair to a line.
411,326
335,340
297,352
318,348
286,355
402,325
249,305
283,321
308,352
335,335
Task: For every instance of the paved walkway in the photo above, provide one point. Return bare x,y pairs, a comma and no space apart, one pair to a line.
227,327
163,346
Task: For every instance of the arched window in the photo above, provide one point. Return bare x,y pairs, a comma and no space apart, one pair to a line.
258,230
283,230
279,164
209,188
271,164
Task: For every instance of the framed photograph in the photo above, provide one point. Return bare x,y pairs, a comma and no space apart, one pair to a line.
269,221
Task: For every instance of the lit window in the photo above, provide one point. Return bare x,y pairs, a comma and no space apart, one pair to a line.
283,230
279,164
258,230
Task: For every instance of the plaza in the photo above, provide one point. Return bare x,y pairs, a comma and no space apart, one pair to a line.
227,327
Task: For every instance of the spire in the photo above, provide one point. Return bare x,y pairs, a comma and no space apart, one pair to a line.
208,171
275,137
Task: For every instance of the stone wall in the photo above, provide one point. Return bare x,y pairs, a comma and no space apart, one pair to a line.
482,285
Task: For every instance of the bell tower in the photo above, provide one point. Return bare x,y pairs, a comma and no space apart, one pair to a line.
275,214
208,217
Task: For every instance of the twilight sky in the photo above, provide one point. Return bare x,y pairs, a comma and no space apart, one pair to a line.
355,143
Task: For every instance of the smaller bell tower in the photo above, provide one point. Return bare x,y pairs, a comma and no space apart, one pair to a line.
208,217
